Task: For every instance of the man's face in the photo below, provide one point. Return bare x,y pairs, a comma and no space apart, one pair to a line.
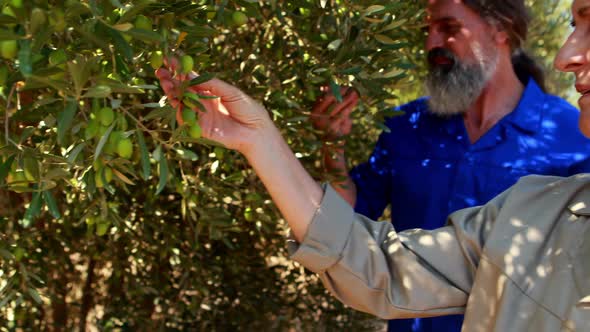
462,56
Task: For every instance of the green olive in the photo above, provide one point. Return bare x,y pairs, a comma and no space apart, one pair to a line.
187,63
17,3
239,18
105,116
157,59
122,123
19,253
111,146
102,227
195,131
125,148
57,57
108,177
91,130
8,49
249,214
219,152
143,22
189,117
97,165
38,19
8,11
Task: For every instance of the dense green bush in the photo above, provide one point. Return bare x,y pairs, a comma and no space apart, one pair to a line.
115,216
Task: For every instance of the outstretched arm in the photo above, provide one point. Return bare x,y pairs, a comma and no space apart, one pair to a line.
366,264
240,123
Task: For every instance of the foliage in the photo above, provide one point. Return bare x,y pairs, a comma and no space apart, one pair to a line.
116,217
548,31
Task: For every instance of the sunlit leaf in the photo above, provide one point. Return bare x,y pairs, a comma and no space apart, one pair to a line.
374,9
123,177
187,154
98,91
384,39
335,44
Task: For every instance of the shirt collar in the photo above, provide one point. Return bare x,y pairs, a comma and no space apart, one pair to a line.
528,113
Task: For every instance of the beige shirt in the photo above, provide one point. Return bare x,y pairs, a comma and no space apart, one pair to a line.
519,263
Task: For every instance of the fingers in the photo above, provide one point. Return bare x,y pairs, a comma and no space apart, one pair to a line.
171,85
163,74
353,100
168,87
170,74
200,91
346,126
172,63
171,81
330,109
335,130
167,82
217,87
323,104
210,105
347,104
340,127
324,101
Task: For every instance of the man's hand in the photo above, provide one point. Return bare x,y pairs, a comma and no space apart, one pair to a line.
331,117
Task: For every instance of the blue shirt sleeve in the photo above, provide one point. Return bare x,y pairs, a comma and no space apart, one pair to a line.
373,181
582,166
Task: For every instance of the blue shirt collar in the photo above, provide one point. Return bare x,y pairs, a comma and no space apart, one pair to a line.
528,113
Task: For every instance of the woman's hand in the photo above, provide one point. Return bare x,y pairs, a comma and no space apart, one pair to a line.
233,119
240,123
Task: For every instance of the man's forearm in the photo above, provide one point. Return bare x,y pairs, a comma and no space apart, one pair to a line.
335,165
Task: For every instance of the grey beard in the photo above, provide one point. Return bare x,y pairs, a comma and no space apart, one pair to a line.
453,92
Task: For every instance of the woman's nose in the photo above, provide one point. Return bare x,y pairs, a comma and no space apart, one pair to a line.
572,55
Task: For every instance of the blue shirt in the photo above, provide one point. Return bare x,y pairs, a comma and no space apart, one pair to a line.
427,168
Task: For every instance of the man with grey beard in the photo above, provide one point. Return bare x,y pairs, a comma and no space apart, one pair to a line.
487,122
454,88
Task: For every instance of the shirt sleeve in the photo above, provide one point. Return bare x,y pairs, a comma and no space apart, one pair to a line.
582,166
373,182
371,268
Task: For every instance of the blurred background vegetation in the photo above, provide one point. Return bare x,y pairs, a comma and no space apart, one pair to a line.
115,218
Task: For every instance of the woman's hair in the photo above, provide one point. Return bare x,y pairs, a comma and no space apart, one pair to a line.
513,17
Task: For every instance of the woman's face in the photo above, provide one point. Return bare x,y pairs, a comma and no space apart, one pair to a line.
574,57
